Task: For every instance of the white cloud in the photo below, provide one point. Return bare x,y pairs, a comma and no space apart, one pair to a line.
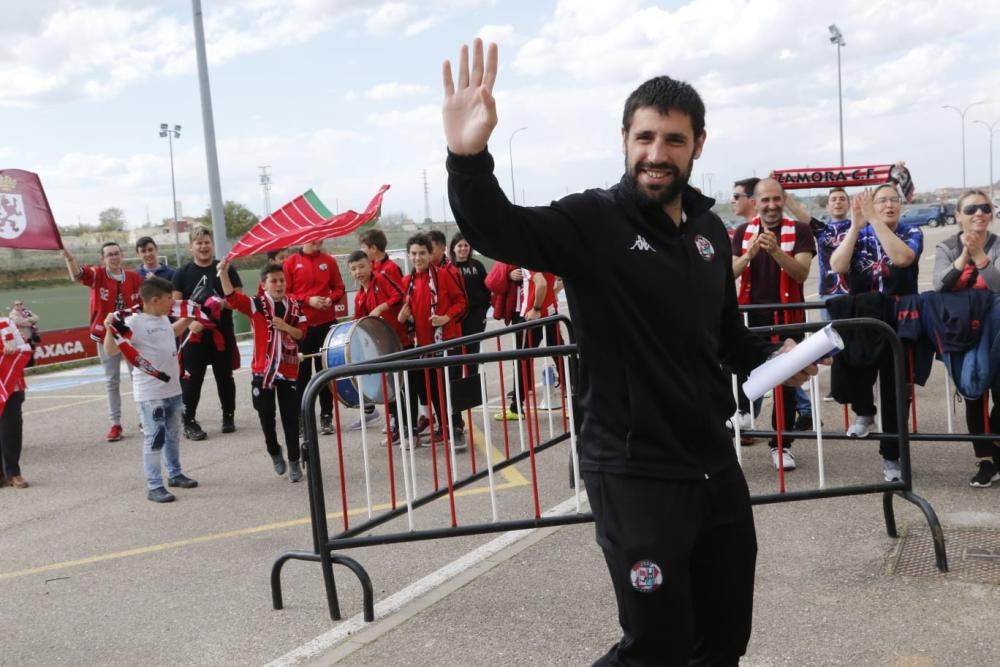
498,34
421,25
393,90
390,17
85,50
765,69
408,119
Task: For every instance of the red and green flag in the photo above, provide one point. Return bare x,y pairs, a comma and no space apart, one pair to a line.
303,220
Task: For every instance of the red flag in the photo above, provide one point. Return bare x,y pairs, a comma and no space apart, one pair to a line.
11,365
26,220
302,220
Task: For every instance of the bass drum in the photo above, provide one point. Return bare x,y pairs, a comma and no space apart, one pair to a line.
355,342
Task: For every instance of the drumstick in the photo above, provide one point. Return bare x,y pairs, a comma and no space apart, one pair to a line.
318,353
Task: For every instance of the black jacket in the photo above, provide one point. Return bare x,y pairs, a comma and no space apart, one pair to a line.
654,310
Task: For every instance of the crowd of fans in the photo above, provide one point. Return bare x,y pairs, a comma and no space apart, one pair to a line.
867,263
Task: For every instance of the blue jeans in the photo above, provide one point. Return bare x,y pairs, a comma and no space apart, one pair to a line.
803,405
161,430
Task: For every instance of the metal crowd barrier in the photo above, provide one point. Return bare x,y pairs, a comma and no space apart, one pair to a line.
391,366
902,488
326,548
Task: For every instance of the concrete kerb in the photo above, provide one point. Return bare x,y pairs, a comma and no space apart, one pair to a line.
354,633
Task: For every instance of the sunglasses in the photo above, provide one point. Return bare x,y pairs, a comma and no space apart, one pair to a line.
971,209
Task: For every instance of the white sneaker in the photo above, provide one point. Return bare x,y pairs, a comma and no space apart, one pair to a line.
787,459
741,418
891,470
369,418
861,427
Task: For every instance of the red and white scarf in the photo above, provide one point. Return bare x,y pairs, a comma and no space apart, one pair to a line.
11,365
432,286
123,334
790,291
280,347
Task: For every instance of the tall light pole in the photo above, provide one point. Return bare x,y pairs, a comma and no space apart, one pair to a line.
510,156
171,134
208,123
836,37
265,184
961,112
989,126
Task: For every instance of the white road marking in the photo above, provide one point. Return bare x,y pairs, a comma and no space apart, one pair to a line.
395,602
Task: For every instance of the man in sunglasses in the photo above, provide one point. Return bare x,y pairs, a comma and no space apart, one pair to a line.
743,202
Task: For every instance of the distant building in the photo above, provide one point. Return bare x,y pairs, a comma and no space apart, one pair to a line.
164,234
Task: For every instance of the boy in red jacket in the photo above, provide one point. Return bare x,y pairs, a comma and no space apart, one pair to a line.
278,325
432,304
112,288
377,296
312,278
374,243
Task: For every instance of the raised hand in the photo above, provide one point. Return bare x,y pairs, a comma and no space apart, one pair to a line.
973,242
858,221
868,204
469,111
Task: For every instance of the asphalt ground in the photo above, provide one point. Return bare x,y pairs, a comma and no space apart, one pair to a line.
92,573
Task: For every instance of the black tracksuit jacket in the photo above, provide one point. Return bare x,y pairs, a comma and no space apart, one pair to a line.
654,311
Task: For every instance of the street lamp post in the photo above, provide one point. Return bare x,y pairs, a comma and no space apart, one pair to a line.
171,134
836,37
961,112
989,126
510,156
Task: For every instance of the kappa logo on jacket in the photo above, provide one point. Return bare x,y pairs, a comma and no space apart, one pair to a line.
642,244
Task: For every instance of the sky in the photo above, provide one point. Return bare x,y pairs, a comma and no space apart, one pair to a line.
342,96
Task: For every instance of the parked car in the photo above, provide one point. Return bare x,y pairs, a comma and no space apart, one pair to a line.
932,215
949,213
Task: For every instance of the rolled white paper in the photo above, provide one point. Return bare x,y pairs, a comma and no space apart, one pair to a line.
775,371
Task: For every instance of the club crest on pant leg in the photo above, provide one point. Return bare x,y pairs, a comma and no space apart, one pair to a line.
646,576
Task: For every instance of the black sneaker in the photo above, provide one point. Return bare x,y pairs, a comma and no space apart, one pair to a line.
803,423
160,495
326,424
183,481
228,423
458,439
985,476
193,431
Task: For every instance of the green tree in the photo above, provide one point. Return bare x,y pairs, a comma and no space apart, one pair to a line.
111,220
239,219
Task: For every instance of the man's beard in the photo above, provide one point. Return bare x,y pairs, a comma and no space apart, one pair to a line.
768,222
669,192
